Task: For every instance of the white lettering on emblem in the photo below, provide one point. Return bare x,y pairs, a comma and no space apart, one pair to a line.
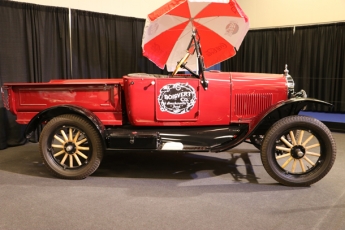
177,98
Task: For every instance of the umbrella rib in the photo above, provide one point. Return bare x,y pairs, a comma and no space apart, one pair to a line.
204,23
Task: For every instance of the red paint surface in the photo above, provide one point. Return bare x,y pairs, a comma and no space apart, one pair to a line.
230,98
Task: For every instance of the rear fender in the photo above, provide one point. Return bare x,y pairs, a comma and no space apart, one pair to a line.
48,114
287,108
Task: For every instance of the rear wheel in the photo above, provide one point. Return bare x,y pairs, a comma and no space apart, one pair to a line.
298,151
71,147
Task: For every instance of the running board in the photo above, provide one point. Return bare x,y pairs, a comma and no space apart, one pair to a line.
176,139
145,142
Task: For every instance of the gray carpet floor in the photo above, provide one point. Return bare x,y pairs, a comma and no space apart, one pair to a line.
229,190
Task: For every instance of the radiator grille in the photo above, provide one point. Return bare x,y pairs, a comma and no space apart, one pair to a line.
252,104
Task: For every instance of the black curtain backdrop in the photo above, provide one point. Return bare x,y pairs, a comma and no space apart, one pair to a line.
34,47
314,54
107,46
34,42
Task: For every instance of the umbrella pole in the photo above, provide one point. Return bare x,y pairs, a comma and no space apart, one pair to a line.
201,65
195,43
189,70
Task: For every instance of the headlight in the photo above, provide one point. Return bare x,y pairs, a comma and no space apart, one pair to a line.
289,82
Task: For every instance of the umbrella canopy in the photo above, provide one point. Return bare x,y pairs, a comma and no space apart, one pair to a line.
221,25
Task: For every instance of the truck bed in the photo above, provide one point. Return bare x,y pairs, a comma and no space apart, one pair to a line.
101,96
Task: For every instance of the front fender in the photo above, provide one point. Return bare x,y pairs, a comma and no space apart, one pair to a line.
48,114
286,108
264,121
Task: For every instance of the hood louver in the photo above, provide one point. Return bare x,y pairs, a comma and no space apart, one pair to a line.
252,104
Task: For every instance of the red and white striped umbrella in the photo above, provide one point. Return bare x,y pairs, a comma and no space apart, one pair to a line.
221,24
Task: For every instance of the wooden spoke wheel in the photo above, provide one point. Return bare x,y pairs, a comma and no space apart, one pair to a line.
71,147
298,151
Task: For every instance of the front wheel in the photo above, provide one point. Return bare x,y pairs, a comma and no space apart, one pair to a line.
298,151
71,147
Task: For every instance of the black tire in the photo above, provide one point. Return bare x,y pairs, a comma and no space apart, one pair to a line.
302,159
71,147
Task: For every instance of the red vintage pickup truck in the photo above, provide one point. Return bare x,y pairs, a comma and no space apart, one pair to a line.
211,111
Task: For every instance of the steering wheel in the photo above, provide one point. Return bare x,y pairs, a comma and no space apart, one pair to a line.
183,61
